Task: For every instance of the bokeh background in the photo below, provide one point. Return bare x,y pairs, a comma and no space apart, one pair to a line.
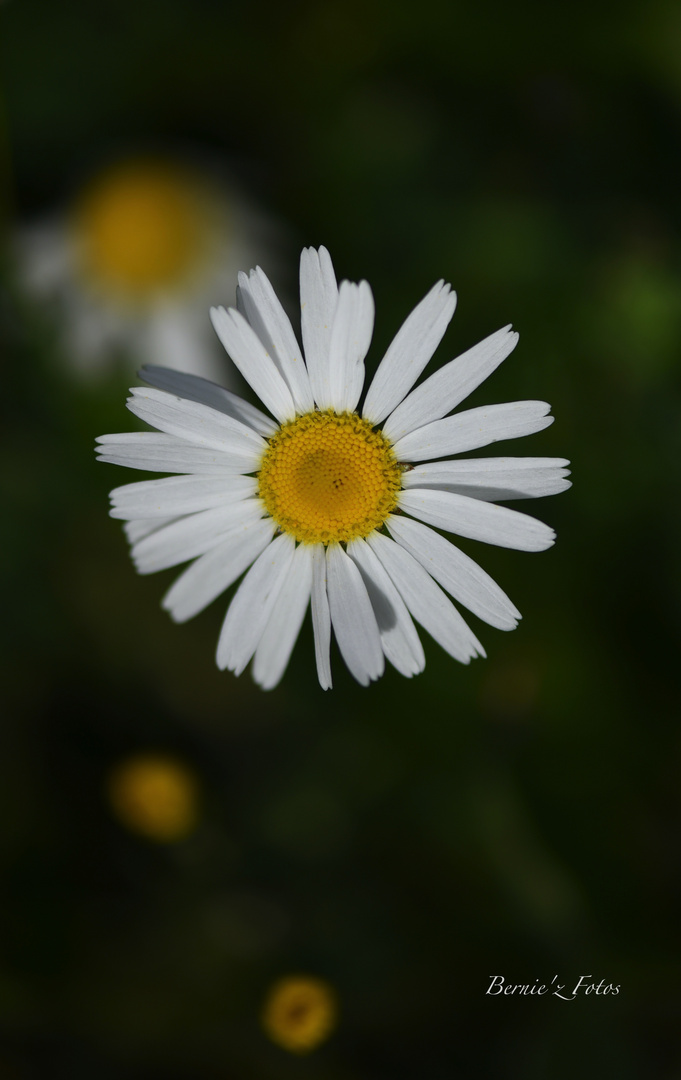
403,843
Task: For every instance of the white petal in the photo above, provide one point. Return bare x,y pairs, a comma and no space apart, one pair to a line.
175,496
474,428
318,300
477,520
426,601
251,358
265,314
353,326
190,536
321,617
493,479
352,617
166,453
281,633
215,571
443,391
412,348
198,424
254,600
460,576
208,393
141,527
400,641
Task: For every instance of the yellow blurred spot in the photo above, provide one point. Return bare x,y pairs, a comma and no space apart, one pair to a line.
300,1012
140,228
155,796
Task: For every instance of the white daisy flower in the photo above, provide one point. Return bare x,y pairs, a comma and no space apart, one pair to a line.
146,247
328,505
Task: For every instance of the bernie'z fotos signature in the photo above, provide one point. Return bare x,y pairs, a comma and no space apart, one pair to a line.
583,986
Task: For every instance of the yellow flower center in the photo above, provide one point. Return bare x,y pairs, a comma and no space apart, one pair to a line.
155,796
329,477
300,1013
140,228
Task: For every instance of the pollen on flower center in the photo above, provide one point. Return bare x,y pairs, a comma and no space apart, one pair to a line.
139,228
329,477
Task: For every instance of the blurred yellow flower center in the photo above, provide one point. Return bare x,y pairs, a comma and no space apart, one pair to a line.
300,1013
155,796
329,477
140,228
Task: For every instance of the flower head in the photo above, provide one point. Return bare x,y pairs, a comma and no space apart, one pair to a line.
130,266
327,505
300,1012
156,796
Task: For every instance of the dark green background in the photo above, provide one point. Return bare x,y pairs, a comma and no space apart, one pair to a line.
406,842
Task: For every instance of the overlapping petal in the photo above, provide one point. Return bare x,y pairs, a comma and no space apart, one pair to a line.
318,301
252,359
212,573
253,604
477,520
493,479
260,304
194,388
426,601
198,424
411,349
281,633
352,617
155,452
176,496
451,385
353,325
472,429
185,538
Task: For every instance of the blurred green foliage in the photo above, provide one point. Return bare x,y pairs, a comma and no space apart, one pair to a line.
409,841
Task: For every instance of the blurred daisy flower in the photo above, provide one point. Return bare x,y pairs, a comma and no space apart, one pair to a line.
156,796
300,1012
146,247
323,504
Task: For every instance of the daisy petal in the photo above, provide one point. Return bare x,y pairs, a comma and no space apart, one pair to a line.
212,573
400,641
460,576
477,520
253,603
264,312
352,616
154,452
141,527
318,300
321,616
250,356
493,479
444,390
175,496
281,633
187,537
474,428
426,600
194,388
353,326
411,349
197,423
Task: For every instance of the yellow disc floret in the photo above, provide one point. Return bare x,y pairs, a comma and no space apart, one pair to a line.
329,477
140,228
